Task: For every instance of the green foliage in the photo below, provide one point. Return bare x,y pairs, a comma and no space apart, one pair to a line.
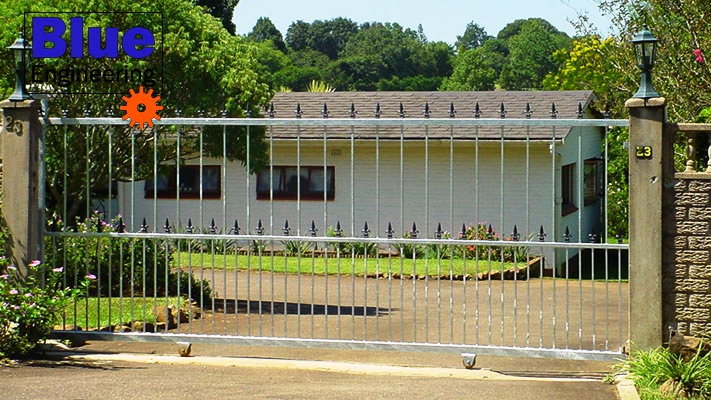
650,369
204,68
295,248
122,266
531,47
31,306
474,70
474,36
264,30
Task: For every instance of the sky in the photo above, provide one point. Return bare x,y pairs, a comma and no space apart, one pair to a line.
442,20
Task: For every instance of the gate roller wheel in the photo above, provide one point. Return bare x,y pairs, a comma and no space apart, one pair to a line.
468,360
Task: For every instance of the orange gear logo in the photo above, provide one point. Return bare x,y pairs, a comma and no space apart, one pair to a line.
141,108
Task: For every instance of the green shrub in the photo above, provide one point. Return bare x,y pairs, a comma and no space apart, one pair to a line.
123,266
651,369
31,306
482,231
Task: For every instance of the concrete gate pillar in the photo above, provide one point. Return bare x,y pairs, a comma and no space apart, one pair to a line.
648,152
21,131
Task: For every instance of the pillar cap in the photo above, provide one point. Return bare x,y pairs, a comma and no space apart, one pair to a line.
652,102
31,103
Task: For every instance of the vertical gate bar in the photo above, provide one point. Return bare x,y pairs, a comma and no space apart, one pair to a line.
325,227
580,300
502,193
377,233
353,223
451,228
567,296
592,289
109,219
403,230
607,301
223,242
475,226
88,214
338,280
620,341
132,215
427,229
298,289
155,225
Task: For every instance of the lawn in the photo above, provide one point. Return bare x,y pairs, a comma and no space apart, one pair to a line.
94,313
345,264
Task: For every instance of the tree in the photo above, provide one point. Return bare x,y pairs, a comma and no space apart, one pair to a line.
473,71
531,44
207,68
474,36
264,30
297,35
222,10
682,73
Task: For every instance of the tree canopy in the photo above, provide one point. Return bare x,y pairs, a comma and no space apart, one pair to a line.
205,68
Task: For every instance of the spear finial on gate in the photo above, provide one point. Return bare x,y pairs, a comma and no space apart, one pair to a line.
121,227
223,113
260,227
567,235
477,110
144,226
463,233
325,112
502,110
298,111
580,111
285,230
414,231
166,227
248,111
402,111
338,231
377,110
236,228
389,232
313,229
528,113
490,233
189,227
438,232
87,112
592,237
365,231
212,229
271,111
554,111
352,113
452,111
541,235
426,112
515,235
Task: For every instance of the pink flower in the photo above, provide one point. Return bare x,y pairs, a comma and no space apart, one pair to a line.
91,277
13,291
699,56
35,263
12,268
59,269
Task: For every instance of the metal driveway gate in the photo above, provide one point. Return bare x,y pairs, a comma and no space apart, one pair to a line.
352,235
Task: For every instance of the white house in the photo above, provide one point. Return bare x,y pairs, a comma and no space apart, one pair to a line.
528,176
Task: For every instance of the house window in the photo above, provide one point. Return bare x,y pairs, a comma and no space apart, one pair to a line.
285,185
592,181
568,189
167,184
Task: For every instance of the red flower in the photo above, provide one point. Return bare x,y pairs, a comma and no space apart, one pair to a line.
699,56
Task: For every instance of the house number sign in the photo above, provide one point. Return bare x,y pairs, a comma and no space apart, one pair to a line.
644,152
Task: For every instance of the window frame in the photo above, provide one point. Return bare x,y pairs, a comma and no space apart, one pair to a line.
567,189
282,193
192,192
592,181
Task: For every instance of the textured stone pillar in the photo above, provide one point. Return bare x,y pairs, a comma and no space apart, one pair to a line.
647,155
21,131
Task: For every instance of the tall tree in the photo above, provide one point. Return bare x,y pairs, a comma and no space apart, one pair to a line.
474,36
473,71
264,30
531,44
222,10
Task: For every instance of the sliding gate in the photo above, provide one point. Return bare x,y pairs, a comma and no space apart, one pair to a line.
361,233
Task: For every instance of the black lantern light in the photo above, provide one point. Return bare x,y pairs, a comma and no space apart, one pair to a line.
645,48
22,62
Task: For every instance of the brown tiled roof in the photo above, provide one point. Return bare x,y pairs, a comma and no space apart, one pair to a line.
439,103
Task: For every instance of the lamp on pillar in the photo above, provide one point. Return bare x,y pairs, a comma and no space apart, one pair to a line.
21,64
645,48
